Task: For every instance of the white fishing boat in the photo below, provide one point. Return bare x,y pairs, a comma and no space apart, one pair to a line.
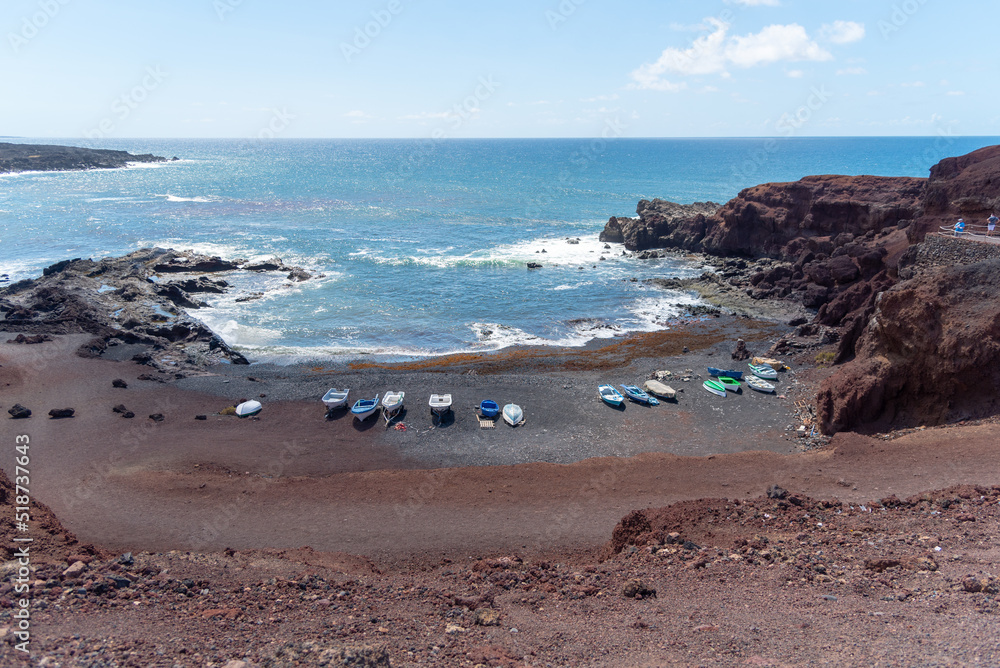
440,404
392,405
248,409
335,398
513,415
760,385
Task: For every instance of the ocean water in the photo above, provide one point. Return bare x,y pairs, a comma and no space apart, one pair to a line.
421,244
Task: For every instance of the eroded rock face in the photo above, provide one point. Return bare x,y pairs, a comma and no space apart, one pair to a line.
927,355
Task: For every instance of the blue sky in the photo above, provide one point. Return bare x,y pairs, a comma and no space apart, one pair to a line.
556,68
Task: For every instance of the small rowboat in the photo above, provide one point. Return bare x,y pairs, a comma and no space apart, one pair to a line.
730,384
440,404
610,395
489,408
364,408
335,398
760,385
392,404
638,396
248,409
765,372
715,387
659,389
513,415
737,375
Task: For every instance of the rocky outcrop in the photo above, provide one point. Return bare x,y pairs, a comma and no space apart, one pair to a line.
928,354
126,300
657,219
47,158
965,186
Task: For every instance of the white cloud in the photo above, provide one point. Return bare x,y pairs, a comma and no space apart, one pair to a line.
716,52
425,115
357,113
956,92
842,32
795,74
851,71
600,98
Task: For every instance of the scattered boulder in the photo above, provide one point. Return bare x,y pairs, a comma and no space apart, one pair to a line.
157,417
296,653
59,413
200,417
487,617
636,588
740,352
298,274
119,383
19,412
37,338
777,492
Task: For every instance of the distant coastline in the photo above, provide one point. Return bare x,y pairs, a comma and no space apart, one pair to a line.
53,158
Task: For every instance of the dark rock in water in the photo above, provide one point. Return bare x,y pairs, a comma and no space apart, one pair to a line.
157,417
119,383
298,274
49,158
19,412
250,297
201,284
274,264
58,413
37,338
173,292
534,265
741,353
203,265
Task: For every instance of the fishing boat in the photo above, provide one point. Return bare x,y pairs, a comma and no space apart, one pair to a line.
610,395
715,387
731,384
440,404
335,398
513,415
489,408
248,409
659,389
364,408
392,404
759,384
638,396
730,373
763,371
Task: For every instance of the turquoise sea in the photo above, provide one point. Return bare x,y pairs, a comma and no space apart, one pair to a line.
422,244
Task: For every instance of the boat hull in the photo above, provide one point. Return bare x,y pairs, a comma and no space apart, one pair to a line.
440,403
335,398
765,372
248,409
489,408
728,373
365,408
714,387
610,395
638,396
760,385
513,415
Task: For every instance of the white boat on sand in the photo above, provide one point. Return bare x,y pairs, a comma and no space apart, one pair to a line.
440,404
513,415
392,405
335,398
248,409
659,389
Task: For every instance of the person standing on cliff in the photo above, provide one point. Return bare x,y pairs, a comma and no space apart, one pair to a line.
991,224
959,227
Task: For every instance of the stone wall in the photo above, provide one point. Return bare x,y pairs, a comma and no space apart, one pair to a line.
943,251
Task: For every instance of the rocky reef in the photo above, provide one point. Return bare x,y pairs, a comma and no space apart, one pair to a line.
140,298
834,244
49,158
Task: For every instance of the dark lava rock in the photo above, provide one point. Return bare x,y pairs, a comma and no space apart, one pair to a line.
58,413
740,353
19,412
48,158
119,383
200,417
776,492
157,417
120,408
298,274
534,265
636,588
37,338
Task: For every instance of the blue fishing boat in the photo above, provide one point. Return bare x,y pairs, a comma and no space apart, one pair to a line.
610,395
365,408
639,396
728,373
489,408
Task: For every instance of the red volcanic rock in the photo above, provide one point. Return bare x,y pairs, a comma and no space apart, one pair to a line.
965,186
928,354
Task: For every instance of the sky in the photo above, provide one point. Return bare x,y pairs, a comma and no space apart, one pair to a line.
517,68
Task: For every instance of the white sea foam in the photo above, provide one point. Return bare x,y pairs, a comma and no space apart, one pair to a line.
146,165
200,199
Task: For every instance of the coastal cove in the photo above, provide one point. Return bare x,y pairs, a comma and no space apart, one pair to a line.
417,248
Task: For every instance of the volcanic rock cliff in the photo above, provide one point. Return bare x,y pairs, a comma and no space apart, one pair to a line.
834,244
48,158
